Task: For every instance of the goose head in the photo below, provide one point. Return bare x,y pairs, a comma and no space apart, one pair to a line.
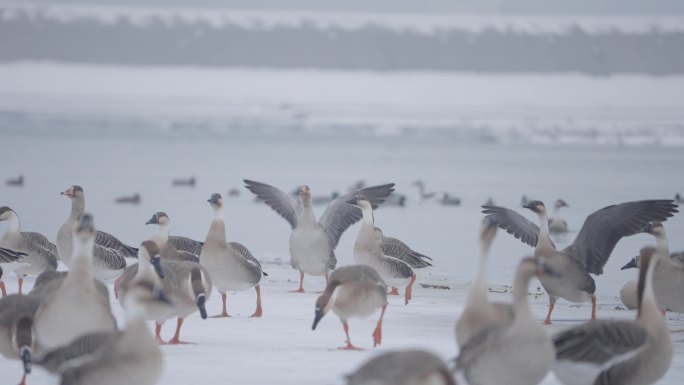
360,201
149,251
304,192
633,263
6,213
197,280
536,206
216,201
530,267
74,191
656,228
159,218
84,228
20,330
560,203
324,302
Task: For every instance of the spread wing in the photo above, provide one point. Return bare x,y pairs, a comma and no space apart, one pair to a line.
598,342
514,223
284,204
603,229
340,215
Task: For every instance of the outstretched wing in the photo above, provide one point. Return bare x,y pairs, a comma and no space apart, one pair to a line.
598,342
604,228
281,202
398,249
340,215
514,223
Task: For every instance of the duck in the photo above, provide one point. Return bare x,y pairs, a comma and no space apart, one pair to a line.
17,341
514,352
324,199
679,198
404,367
180,182
74,306
478,312
189,249
10,260
130,355
16,182
631,352
422,194
668,273
105,240
368,251
134,199
40,255
448,200
355,291
228,266
590,250
558,225
313,242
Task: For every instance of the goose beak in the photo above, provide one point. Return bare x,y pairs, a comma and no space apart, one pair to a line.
200,301
317,318
156,262
529,205
648,228
152,221
26,359
630,265
86,222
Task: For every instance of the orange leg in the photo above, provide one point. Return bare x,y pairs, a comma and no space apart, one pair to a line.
547,321
258,312
409,290
349,346
593,307
117,286
20,281
224,313
23,380
4,290
176,337
301,283
377,333
157,334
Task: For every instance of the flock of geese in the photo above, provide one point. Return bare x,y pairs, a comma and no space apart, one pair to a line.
65,323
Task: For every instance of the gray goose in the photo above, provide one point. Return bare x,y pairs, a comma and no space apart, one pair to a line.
621,352
592,247
231,268
368,251
118,249
167,244
514,352
313,242
353,292
407,367
39,251
110,358
16,329
10,260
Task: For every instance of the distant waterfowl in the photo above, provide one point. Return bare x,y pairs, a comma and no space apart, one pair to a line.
109,252
40,255
312,242
189,249
557,225
324,199
368,250
396,200
448,200
478,312
517,352
616,351
668,273
16,330
354,291
422,193
75,306
16,182
115,357
591,249
180,182
231,268
679,198
234,192
134,199
408,367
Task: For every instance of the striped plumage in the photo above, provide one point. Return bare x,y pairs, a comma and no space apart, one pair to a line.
395,248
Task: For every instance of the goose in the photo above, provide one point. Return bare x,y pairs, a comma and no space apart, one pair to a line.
448,200
619,351
115,357
74,306
228,266
556,224
478,312
406,367
16,182
668,273
396,200
514,352
16,329
589,252
189,249
422,194
189,182
38,250
679,198
368,251
64,243
134,199
312,242
10,260
324,199
234,192
354,291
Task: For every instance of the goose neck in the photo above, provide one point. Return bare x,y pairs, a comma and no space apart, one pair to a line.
13,221
648,308
521,305
77,207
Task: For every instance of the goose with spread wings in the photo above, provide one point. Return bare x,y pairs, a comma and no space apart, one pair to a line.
312,242
589,252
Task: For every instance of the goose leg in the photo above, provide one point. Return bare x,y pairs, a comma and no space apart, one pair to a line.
552,304
593,307
409,290
301,283
394,291
224,313
176,337
377,333
258,312
349,346
4,290
20,281
157,334
23,380
117,286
